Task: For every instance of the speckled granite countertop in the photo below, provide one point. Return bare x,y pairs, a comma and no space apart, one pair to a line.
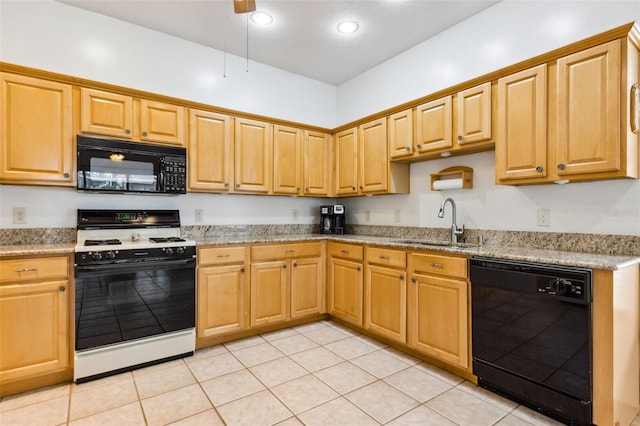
557,257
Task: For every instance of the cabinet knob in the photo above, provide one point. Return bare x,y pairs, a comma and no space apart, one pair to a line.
402,277
560,166
408,148
62,288
539,169
413,280
226,184
66,175
361,187
295,265
144,133
460,137
284,266
298,188
419,146
306,189
127,131
237,185
353,188
242,270
359,268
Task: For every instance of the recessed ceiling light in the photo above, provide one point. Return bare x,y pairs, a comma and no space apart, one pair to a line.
348,27
261,18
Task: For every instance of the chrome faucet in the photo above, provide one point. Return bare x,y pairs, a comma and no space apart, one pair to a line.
455,231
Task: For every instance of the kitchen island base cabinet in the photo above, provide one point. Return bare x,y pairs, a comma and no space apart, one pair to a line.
35,326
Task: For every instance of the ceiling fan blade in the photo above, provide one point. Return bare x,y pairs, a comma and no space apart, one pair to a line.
244,6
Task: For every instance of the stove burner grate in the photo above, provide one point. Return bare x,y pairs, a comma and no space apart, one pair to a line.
166,239
111,242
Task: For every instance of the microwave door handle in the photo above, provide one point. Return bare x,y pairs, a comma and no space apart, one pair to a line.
161,182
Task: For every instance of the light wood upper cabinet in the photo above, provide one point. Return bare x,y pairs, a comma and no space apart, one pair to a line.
35,326
317,163
434,125
474,114
36,132
223,292
346,162
210,151
588,111
253,156
287,160
373,157
160,122
521,143
401,134
122,116
106,113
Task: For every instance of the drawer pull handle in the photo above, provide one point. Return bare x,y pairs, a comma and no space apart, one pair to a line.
344,251
27,270
436,265
62,288
383,257
221,256
289,251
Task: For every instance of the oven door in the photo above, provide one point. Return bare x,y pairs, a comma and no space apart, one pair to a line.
117,166
118,303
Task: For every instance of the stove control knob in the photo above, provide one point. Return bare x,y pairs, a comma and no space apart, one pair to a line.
97,256
180,250
169,251
561,286
110,255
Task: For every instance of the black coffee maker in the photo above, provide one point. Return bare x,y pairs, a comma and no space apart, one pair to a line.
332,219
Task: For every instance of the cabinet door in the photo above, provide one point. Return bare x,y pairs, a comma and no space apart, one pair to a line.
36,132
34,329
316,163
344,299
588,111
222,300
160,122
433,125
346,162
401,134
307,289
287,160
521,144
253,156
438,318
210,151
106,113
374,157
474,114
386,302
269,292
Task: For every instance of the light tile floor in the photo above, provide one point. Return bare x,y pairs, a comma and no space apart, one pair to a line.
315,374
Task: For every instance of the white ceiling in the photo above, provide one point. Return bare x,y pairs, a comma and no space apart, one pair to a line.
302,38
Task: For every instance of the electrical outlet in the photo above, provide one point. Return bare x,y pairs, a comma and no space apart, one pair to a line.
19,215
396,216
294,214
198,215
543,217
367,215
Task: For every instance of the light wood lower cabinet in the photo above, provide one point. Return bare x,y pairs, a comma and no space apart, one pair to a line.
223,293
438,309
35,326
386,293
345,282
287,282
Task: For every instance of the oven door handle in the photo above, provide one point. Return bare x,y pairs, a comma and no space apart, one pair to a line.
135,266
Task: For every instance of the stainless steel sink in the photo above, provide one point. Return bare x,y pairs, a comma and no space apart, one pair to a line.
435,243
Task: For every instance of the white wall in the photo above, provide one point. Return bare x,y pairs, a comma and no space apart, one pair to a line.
606,207
56,37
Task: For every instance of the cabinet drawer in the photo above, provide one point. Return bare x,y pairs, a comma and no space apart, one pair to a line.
345,251
286,251
381,256
439,264
36,268
221,255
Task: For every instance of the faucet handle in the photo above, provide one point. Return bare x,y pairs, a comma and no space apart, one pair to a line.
459,231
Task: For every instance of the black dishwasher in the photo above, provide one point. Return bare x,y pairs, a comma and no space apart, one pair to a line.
531,335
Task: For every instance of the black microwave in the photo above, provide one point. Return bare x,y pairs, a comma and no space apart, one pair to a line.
108,165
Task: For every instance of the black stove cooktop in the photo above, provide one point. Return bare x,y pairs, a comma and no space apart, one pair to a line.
166,239
109,242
